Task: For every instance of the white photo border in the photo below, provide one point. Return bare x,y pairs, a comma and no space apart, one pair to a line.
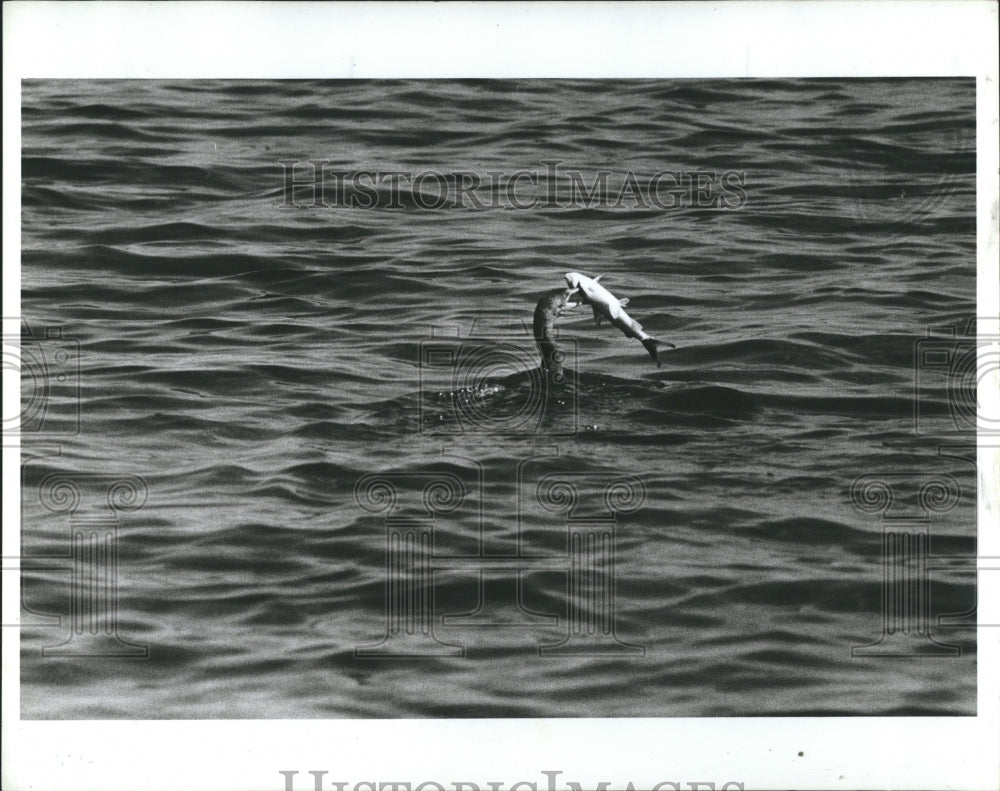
544,40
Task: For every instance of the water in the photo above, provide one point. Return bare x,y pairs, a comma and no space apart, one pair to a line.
253,363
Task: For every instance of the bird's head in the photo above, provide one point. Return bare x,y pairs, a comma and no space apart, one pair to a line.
563,302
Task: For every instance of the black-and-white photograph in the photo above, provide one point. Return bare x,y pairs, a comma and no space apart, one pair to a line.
507,398
516,398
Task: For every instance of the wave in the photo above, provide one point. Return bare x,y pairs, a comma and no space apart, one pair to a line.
253,363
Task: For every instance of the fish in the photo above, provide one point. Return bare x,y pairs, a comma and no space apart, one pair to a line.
607,306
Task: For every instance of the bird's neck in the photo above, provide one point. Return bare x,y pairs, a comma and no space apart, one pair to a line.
543,327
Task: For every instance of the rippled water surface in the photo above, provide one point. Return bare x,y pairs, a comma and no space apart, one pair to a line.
330,409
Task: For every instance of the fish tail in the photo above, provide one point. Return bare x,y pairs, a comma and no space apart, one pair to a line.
651,344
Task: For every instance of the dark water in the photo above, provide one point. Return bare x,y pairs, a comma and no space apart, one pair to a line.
253,363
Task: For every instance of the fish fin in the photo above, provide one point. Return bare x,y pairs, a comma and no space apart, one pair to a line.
597,316
623,301
595,279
